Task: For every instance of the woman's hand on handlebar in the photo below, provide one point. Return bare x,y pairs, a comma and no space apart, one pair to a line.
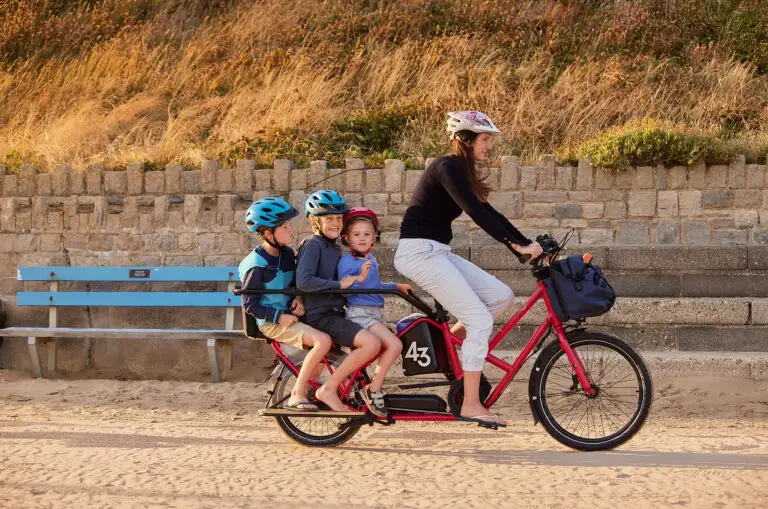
531,251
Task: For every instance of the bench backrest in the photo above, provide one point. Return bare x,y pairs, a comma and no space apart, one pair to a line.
54,298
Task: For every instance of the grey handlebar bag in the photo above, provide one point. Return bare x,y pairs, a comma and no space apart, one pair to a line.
577,289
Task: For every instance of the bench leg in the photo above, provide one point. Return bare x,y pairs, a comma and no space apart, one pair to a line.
226,353
50,346
34,357
213,358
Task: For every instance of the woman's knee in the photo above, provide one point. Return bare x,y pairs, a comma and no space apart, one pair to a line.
502,304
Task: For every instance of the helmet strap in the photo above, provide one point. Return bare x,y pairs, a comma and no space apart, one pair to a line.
358,254
273,244
270,242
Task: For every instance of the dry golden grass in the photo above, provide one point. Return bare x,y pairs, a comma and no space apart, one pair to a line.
162,91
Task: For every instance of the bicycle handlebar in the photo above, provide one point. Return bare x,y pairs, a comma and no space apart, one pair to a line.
548,246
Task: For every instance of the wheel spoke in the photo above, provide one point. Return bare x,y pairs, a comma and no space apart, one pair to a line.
310,430
620,392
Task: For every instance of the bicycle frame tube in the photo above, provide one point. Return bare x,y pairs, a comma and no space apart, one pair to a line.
511,370
452,342
345,387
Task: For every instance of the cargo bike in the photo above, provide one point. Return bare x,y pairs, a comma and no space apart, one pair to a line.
591,391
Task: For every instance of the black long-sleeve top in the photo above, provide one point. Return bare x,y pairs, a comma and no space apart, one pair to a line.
441,195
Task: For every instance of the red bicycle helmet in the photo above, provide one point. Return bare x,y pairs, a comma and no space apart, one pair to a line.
362,212
358,212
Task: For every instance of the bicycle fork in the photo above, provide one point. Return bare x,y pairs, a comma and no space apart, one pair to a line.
573,358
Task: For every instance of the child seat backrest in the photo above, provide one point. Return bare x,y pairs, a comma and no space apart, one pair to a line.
250,327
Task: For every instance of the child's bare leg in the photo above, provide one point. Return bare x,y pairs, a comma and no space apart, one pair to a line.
392,346
320,343
459,330
366,346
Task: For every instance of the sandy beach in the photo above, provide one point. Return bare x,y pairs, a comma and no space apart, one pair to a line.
130,444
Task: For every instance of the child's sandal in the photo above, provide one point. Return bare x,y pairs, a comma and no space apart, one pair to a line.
374,401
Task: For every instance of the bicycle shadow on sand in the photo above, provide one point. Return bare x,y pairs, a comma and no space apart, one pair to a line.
640,459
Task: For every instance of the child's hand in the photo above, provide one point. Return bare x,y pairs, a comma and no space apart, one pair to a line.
347,281
405,288
297,307
287,320
364,270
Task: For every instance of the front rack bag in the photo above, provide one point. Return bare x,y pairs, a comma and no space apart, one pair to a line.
577,289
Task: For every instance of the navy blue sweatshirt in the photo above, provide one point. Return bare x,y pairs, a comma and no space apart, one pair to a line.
441,195
316,270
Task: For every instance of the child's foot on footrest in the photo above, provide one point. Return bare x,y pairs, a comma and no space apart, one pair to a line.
374,401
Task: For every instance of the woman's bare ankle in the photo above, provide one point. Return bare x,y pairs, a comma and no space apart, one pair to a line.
476,411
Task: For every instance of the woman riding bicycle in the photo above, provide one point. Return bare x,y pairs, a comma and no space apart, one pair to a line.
450,185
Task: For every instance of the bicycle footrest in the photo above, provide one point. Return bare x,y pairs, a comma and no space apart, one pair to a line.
288,412
490,425
482,423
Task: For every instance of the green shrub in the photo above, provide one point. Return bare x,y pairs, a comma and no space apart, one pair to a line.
747,33
644,143
14,160
373,131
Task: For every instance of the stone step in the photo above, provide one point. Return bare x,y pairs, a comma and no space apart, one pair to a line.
639,311
688,338
644,283
744,365
664,258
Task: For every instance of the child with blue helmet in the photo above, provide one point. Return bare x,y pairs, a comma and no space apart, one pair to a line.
272,266
319,256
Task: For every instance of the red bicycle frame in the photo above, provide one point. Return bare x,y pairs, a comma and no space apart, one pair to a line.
452,342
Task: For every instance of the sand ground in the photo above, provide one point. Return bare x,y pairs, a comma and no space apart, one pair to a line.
126,444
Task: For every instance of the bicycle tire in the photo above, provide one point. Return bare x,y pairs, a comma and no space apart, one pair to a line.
301,429
615,369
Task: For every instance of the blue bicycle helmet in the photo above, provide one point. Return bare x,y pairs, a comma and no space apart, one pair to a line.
325,202
269,212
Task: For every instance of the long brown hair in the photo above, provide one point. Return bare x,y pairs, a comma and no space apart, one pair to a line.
462,147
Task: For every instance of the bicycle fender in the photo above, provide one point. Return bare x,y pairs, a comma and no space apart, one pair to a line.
535,371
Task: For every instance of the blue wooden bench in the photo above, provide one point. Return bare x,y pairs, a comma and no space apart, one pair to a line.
54,299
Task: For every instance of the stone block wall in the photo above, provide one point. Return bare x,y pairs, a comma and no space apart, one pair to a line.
676,224
177,216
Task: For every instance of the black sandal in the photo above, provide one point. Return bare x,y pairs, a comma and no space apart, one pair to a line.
374,401
302,406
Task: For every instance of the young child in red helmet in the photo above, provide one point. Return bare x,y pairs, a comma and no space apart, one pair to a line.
359,234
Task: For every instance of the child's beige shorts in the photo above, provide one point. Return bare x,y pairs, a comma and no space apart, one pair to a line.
292,335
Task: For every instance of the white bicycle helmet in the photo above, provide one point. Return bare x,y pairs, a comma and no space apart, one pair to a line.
474,121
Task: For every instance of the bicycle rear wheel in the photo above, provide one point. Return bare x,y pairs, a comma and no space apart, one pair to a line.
618,374
312,431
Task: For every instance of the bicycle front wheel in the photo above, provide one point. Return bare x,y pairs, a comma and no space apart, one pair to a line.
623,392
